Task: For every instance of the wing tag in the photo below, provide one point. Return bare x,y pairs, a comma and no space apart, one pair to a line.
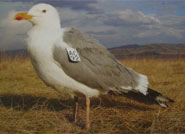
73,55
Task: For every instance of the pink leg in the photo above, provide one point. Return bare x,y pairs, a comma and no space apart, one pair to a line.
87,126
75,110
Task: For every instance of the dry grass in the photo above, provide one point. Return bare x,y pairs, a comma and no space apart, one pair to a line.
27,106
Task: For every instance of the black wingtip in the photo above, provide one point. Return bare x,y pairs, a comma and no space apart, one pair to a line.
153,97
171,101
159,98
162,100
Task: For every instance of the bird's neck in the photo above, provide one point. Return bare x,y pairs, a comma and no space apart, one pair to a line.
44,26
38,36
40,41
42,30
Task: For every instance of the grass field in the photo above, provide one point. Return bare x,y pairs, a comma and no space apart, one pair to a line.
27,106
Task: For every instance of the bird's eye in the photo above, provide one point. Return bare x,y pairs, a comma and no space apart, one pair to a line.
44,11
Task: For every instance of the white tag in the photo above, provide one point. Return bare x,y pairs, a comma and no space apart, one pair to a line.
73,55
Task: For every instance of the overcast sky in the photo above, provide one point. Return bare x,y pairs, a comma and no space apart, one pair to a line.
112,22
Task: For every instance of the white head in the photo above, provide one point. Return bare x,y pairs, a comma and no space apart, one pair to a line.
43,15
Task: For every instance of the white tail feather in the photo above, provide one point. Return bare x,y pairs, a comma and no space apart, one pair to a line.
142,86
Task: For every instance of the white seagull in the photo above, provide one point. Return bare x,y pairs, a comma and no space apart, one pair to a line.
75,64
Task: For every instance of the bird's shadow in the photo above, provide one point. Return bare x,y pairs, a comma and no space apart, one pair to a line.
107,101
27,102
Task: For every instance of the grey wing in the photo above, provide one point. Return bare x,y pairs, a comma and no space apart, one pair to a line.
98,68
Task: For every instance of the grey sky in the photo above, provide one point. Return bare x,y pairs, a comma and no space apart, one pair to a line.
111,22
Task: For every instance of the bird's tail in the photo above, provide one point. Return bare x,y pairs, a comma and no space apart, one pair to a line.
158,98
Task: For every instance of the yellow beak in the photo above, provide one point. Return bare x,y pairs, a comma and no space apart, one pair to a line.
23,16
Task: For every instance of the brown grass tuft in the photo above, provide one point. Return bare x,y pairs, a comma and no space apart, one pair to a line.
27,106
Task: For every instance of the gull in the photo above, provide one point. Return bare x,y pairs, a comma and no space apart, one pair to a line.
75,64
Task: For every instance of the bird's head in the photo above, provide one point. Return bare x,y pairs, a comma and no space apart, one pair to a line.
41,14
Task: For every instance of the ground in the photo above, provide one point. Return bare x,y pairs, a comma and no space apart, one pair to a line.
27,106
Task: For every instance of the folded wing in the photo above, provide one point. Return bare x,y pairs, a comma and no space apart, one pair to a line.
98,68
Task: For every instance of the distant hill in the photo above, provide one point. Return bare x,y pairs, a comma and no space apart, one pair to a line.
127,46
149,51
14,53
129,51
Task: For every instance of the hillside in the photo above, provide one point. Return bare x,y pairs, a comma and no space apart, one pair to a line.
149,51
129,51
13,53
